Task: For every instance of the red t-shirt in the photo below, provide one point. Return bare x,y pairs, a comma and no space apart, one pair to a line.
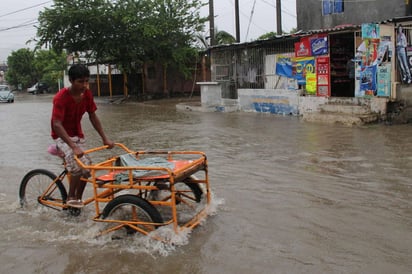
70,113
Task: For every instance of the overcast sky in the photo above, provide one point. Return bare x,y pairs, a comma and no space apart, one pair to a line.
257,17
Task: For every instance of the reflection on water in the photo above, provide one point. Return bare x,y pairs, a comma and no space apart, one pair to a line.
298,197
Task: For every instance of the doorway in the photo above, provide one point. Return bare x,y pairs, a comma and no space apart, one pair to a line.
342,67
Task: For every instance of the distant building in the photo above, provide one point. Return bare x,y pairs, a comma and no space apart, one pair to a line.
3,69
324,14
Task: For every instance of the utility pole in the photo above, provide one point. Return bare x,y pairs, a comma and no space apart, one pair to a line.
278,17
211,23
237,21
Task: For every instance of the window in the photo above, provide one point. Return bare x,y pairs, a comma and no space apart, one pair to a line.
332,6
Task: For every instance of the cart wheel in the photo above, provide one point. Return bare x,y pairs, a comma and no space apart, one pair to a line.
129,209
185,192
34,185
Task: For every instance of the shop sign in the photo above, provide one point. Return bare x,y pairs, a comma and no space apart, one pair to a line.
370,31
302,48
284,65
319,45
311,83
368,80
301,66
384,80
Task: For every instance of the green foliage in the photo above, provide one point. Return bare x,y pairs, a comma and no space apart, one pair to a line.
123,32
20,68
50,65
222,37
272,34
268,35
26,67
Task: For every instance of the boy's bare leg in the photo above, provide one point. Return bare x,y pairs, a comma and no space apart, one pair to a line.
76,190
74,181
80,188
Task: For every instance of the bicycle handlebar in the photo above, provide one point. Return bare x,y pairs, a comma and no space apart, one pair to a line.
88,151
122,146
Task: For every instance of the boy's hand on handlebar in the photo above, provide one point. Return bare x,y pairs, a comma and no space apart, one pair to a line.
78,151
108,143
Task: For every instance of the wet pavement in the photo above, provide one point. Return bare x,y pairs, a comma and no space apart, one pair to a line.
292,197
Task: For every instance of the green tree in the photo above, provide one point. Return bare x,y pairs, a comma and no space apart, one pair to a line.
272,34
76,26
222,37
171,39
50,66
27,67
123,32
21,70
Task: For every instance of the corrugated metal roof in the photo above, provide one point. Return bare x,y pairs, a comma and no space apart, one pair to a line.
301,33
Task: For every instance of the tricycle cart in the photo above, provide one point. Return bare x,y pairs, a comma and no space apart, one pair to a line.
135,191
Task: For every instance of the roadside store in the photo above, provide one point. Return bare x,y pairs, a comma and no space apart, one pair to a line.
298,73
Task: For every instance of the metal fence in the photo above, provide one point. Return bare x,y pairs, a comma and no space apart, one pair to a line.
243,66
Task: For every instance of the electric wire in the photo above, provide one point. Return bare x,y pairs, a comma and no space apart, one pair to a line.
250,19
26,23
20,10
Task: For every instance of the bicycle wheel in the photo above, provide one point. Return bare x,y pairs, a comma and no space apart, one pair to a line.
185,192
132,213
188,198
41,186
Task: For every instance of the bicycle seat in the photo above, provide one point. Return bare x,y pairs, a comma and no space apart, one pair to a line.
55,151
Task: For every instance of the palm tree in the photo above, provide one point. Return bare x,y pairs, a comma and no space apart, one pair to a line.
221,38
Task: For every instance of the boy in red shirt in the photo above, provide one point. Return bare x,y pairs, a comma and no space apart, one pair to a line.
69,105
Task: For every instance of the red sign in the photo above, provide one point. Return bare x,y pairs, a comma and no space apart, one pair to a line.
323,77
302,48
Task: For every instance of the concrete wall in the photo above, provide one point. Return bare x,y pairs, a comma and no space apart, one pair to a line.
402,109
210,94
310,17
283,102
269,101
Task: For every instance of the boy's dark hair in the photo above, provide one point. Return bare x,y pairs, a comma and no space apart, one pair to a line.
77,71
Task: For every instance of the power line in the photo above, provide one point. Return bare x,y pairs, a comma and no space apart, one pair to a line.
20,10
22,25
283,9
250,19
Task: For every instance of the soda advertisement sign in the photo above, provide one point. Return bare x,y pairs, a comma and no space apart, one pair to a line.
301,66
302,48
319,45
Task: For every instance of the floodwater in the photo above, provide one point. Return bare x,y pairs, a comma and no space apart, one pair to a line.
290,196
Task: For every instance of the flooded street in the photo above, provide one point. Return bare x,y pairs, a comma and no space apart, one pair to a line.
292,197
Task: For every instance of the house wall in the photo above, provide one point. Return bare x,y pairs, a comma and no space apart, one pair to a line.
210,94
281,101
273,101
310,17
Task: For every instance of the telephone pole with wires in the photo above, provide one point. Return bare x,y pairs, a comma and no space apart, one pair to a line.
211,23
278,17
237,21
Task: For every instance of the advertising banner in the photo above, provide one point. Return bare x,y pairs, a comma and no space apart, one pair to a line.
302,48
368,80
311,83
370,31
284,66
319,45
358,69
322,72
301,66
384,80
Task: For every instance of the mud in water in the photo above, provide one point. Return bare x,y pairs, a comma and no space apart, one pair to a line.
290,197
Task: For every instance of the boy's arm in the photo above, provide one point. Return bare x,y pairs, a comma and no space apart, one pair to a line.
98,127
62,133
